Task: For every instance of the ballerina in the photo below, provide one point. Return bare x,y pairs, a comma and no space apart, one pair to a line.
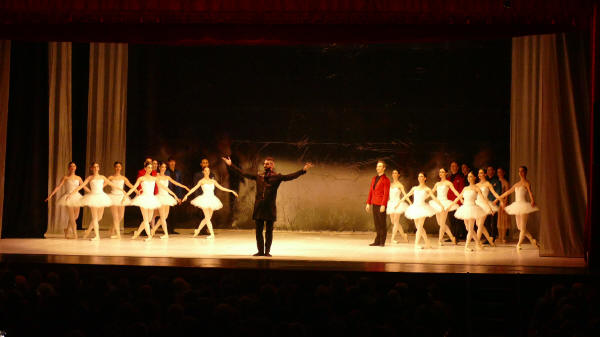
503,217
96,200
117,208
441,188
420,210
469,211
208,202
165,199
520,208
147,201
395,208
485,187
72,181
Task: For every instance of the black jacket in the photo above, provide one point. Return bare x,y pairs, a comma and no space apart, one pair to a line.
266,192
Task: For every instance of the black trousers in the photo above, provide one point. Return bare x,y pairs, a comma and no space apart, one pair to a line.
491,223
380,220
457,226
264,245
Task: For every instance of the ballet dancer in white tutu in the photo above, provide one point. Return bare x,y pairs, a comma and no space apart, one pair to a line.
147,201
395,208
420,209
96,199
469,211
520,208
166,201
71,181
208,202
441,189
117,208
483,200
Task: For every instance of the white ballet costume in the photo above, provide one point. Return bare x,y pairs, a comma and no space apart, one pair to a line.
208,198
97,197
146,199
442,195
117,195
163,196
482,202
75,199
520,205
419,208
469,210
394,206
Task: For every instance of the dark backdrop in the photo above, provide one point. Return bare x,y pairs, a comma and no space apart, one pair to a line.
417,106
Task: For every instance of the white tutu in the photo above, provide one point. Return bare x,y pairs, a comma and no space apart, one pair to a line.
419,208
208,198
74,200
147,199
396,207
444,202
163,196
96,200
485,206
166,200
466,212
117,200
207,201
520,207
469,210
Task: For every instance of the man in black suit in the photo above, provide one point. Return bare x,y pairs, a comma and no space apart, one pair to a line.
265,210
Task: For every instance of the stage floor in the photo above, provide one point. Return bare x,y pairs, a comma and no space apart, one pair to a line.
291,250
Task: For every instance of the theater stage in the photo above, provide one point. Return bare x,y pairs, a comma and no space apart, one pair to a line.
291,250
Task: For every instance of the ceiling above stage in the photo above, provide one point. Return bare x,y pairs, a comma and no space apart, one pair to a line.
287,21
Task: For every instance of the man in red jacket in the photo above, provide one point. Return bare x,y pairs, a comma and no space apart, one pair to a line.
379,193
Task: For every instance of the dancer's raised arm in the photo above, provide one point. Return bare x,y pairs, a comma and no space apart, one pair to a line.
62,182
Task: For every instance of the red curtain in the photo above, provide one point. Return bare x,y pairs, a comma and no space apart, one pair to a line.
285,21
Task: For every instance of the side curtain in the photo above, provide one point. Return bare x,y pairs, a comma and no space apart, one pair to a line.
549,112
107,110
4,83
59,128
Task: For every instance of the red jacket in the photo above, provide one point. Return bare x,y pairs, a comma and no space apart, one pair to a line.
141,173
381,193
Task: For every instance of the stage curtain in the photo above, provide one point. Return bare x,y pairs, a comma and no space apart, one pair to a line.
549,112
4,82
59,128
107,110
26,182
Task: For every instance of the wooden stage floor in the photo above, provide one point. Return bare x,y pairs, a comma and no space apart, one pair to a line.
291,250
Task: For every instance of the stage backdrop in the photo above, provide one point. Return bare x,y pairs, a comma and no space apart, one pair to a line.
416,106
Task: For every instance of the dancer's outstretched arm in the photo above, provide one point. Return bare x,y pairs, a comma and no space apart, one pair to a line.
459,197
85,182
406,196
434,198
160,186
451,186
192,190
108,182
134,187
62,182
404,193
510,190
172,181
223,188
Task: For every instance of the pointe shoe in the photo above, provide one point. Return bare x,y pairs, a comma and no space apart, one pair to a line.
535,243
115,236
164,237
492,243
95,238
210,237
394,241
479,246
440,243
519,247
148,238
406,238
66,233
419,247
196,232
135,235
468,249
453,240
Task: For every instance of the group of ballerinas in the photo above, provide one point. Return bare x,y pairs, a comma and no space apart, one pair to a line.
474,209
148,202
